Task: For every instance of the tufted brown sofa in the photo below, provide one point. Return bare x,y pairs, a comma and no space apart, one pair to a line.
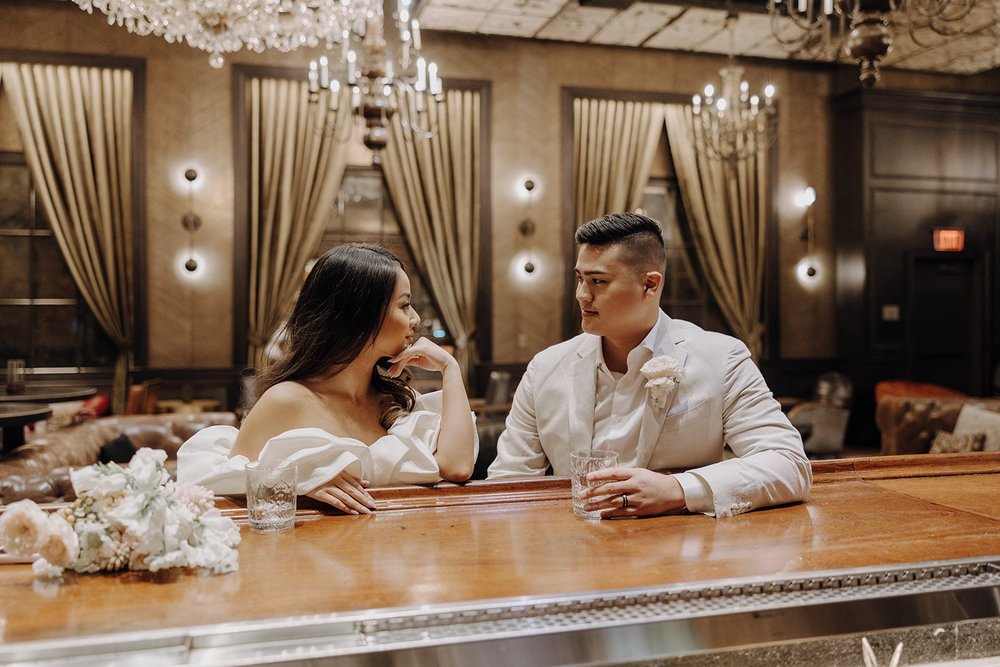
40,469
908,424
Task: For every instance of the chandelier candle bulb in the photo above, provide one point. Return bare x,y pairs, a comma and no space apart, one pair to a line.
334,95
324,72
421,84
416,35
313,78
352,67
435,80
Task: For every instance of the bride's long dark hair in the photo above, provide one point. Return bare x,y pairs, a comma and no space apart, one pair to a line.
339,312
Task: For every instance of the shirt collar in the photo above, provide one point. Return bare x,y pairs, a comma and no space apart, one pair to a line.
642,353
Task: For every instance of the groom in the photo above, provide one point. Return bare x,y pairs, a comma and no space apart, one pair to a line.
591,391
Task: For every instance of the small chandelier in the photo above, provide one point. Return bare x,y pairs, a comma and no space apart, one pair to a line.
221,26
375,75
863,29
733,124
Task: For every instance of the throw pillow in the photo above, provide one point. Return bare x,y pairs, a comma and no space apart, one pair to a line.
975,419
952,443
119,450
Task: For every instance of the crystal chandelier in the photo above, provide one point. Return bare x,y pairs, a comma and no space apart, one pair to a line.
733,124
224,26
863,29
375,73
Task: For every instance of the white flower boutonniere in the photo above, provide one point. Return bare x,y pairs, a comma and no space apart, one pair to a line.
663,373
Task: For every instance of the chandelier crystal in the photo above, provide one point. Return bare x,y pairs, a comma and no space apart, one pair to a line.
864,30
223,26
732,124
376,70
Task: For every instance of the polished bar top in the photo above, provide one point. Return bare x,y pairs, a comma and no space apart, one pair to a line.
500,540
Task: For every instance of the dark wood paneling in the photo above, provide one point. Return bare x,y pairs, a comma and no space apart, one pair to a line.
907,163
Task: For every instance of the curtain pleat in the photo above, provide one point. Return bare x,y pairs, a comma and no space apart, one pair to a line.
76,126
614,143
434,183
726,202
298,152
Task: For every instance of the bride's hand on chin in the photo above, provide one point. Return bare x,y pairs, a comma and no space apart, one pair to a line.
347,493
422,354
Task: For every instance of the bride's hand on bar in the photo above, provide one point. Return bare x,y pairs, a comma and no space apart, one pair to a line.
347,493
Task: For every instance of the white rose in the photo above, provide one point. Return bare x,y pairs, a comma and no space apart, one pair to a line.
61,546
23,528
663,366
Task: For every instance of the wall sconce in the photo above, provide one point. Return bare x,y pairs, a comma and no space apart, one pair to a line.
191,221
527,226
805,199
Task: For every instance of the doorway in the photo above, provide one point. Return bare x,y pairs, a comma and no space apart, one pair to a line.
946,322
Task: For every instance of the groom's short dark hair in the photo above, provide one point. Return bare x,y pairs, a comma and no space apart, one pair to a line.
640,237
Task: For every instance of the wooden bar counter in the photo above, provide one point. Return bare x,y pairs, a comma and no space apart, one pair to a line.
491,552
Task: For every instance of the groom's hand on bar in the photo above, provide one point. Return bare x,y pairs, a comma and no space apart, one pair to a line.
632,492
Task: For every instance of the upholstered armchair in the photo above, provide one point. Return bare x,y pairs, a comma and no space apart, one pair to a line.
822,426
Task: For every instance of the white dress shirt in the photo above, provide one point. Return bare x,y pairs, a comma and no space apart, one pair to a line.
618,412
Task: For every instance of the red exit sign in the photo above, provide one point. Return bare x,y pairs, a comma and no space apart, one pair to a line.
949,240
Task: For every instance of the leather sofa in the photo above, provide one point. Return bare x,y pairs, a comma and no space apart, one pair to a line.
909,424
40,469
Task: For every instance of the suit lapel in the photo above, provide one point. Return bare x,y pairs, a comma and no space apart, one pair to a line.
582,392
653,417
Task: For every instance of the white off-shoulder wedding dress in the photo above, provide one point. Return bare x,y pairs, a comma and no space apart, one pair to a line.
405,455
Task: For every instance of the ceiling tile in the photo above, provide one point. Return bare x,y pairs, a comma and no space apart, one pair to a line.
544,8
449,18
468,5
689,29
576,24
515,26
632,26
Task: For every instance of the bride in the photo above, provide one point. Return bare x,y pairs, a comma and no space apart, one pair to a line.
336,401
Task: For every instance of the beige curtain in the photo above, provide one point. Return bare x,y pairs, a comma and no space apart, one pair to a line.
76,126
434,183
298,152
614,143
726,203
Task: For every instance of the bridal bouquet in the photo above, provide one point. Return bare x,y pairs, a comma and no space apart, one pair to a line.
134,517
662,373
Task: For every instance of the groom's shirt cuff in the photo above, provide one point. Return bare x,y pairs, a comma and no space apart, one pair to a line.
697,494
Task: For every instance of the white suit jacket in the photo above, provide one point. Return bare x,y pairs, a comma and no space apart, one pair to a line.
722,399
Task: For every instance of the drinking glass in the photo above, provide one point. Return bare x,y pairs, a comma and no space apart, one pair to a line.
581,462
15,376
271,495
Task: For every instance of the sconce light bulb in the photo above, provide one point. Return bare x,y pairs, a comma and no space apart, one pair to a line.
191,265
529,267
529,185
811,271
806,198
191,175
